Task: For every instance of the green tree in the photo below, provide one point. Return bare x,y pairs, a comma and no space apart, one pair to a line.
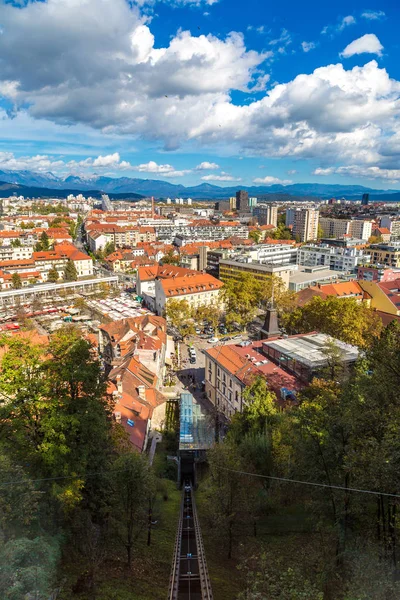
345,319
28,568
55,415
240,296
109,248
16,243
228,496
281,233
179,315
325,437
16,281
170,258
70,272
133,486
208,312
376,421
44,241
53,275
255,235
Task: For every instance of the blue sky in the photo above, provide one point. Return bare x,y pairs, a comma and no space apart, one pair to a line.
225,92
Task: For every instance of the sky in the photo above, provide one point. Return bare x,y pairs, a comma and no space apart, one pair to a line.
226,92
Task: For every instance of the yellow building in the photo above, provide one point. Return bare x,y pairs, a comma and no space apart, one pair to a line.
385,295
230,269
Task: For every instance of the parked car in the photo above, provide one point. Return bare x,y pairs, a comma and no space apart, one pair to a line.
213,340
245,343
198,331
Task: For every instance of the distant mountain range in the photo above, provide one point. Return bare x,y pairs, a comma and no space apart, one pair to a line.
30,184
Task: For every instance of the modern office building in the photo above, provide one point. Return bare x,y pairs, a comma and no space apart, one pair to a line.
386,254
305,226
231,269
242,200
365,200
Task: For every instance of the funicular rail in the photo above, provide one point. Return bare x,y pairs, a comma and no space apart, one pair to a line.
189,574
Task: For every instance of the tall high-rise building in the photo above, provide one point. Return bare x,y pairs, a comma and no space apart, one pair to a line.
242,200
252,202
232,202
365,200
266,214
305,226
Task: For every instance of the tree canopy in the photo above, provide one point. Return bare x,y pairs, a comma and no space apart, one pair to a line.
345,319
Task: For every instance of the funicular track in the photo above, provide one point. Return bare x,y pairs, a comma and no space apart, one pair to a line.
189,574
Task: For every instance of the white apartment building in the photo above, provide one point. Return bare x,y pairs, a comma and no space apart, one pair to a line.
338,228
336,259
189,233
267,214
393,224
15,253
305,225
274,254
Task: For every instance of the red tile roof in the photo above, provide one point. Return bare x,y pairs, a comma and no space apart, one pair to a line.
195,284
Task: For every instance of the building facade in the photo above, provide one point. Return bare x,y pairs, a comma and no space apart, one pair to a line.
266,214
336,259
305,226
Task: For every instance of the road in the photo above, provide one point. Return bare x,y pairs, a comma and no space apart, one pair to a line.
190,375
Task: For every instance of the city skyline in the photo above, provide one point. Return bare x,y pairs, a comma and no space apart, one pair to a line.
201,91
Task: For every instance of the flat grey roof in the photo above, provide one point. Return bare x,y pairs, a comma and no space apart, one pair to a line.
300,276
308,349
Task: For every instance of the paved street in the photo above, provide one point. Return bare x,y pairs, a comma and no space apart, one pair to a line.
190,375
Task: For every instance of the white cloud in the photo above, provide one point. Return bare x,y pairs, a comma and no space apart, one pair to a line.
39,163
164,170
269,180
346,21
176,3
110,160
372,172
291,172
368,43
373,15
283,40
207,166
128,87
307,46
333,30
222,177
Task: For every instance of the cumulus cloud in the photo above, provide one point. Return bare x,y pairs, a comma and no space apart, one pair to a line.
373,15
222,177
269,180
181,93
372,172
43,163
307,46
164,170
207,166
39,163
367,44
